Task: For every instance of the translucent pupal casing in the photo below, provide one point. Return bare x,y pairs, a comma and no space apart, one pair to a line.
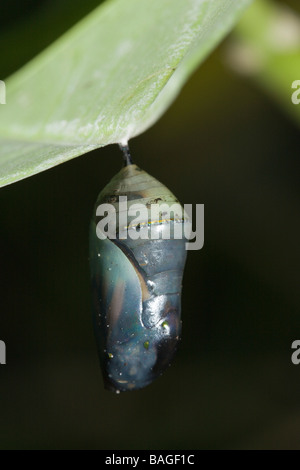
136,283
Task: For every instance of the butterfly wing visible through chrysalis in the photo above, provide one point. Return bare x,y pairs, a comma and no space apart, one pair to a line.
118,326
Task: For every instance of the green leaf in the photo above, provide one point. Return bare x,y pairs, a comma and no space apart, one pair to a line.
106,80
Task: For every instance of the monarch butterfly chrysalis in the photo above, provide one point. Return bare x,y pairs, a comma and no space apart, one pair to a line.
136,283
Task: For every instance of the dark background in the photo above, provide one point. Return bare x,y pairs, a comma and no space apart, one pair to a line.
232,385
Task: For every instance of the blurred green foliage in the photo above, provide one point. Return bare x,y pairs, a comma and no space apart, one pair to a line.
266,47
223,143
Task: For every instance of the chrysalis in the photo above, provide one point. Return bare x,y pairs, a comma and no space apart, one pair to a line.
136,277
